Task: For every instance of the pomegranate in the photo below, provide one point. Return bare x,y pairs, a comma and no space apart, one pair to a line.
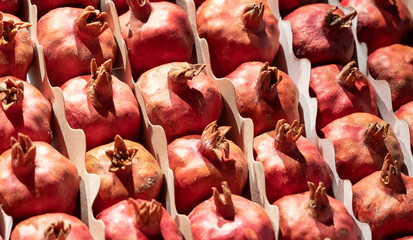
314,215
121,6
384,200
381,22
361,141
51,226
242,218
180,98
395,65
23,110
155,34
264,94
287,6
289,160
101,105
16,46
43,6
202,162
237,31
322,33
9,6
138,219
36,179
341,91
126,169
406,112
74,36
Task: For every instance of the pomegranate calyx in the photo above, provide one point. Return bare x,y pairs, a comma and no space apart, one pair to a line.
391,173
214,145
99,88
376,133
141,9
253,16
179,75
268,79
121,157
286,135
9,29
11,93
223,203
23,154
57,231
91,23
335,20
148,216
318,196
348,75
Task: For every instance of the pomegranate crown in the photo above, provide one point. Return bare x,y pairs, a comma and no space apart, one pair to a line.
141,9
214,145
376,133
335,20
223,202
286,135
23,154
318,196
121,157
91,22
9,29
11,93
390,172
253,16
99,88
268,79
148,216
180,73
349,75
57,231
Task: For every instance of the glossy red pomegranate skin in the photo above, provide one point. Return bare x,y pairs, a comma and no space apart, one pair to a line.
16,53
50,185
195,173
381,22
249,222
336,99
395,65
405,112
35,227
356,158
9,6
63,40
264,105
388,211
121,6
120,115
44,6
287,172
184,110
155,34
299,221
234,39
142,180
120,223
315,39
31,117
287,6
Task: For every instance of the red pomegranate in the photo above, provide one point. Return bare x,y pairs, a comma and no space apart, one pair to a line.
395,65
361,141
287,6
180,98
139,219
381,22
16,46
384,200
242,218
155,34
322,33
126,169
56,226
9,6
314,215
43,6
35,179
341,91
264,94
200,162
406,112
121,6
289,160
102,106
237,31
74,36
23,110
